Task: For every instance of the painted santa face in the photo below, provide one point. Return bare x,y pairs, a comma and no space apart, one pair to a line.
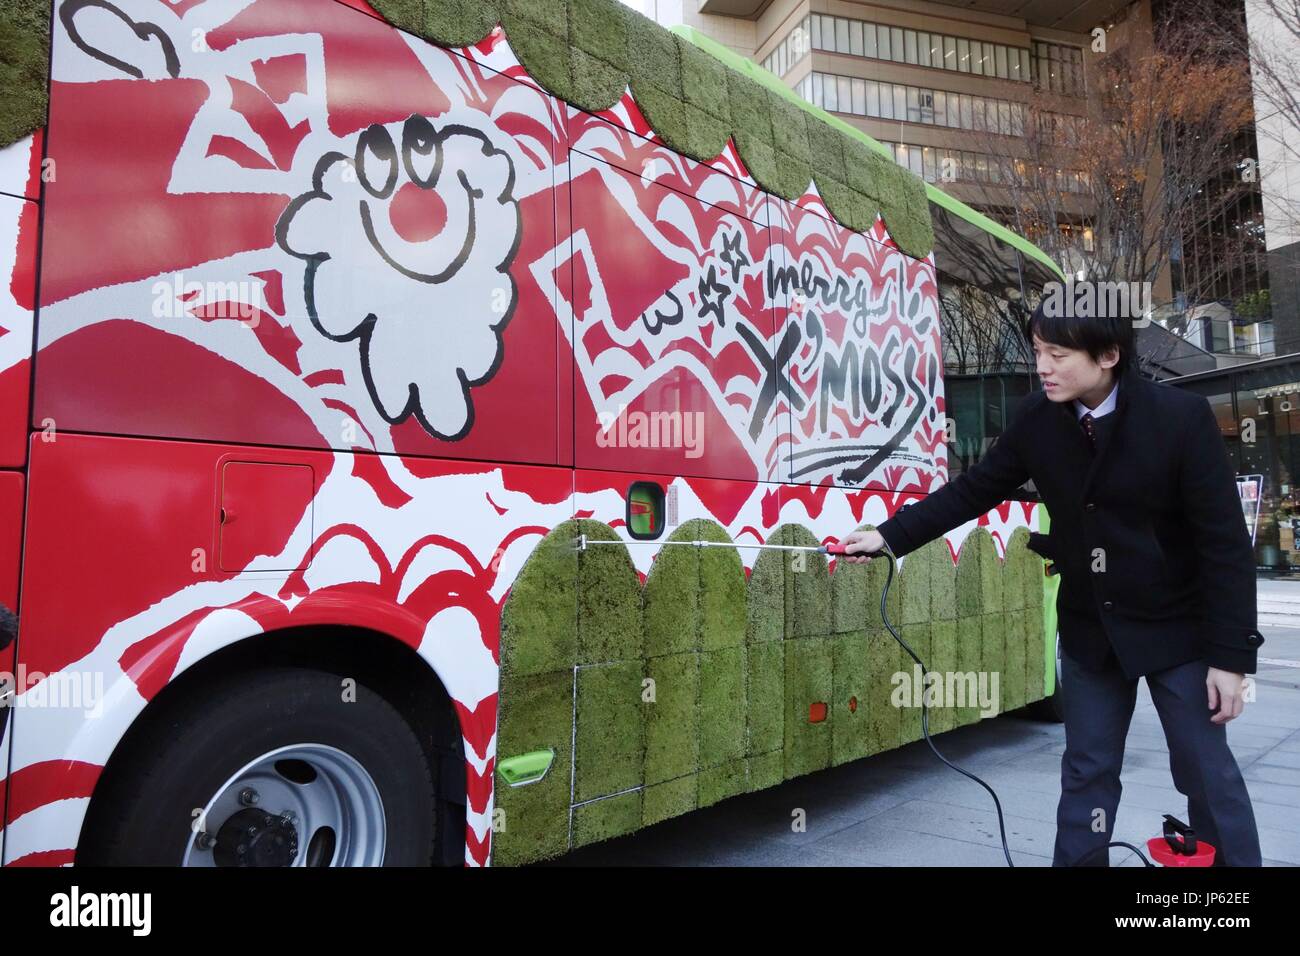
408,250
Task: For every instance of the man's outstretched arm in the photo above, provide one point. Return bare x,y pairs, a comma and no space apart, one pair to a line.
979,489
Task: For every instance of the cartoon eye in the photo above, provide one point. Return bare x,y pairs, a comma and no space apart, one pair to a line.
377,161
421,151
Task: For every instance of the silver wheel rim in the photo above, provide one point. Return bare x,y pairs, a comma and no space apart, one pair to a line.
311,795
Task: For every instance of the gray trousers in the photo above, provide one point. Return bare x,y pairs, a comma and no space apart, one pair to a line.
1098,706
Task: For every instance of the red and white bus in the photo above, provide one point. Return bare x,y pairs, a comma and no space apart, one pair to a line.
325,349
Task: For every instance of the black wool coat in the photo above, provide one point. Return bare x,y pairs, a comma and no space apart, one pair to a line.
1147,531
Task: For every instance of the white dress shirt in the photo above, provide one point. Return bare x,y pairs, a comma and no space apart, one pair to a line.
1107,405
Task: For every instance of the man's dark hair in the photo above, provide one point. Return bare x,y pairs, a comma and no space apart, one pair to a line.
1094,333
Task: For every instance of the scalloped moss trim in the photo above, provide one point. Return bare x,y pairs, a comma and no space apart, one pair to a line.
24,67
587,52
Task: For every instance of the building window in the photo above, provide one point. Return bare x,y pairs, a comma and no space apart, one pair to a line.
1058,68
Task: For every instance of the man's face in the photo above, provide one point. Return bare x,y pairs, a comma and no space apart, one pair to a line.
1069,373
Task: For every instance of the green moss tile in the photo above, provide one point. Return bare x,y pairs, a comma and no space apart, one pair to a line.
808,591
1014,569
457,23
605,819
883,717
826,145
539,631
672,719
671,597
991,582
545,56
792,177
917,637
722,706
704,82
970,658
759,157
406,15
550,15
765,697
975,550
854,606
722,600
789,128
1013,676
536,714
765,598
943,658
750,119
723,781
809,680
913,583
766,770
851,676
664,801
943,582
609,600
993,641
600,28
610,732
597,86
653,56
1036,656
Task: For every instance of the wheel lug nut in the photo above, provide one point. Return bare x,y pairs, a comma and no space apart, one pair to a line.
249,797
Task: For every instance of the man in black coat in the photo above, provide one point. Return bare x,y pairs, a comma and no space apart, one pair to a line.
1157,574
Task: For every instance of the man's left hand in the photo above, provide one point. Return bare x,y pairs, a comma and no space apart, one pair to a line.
1226,692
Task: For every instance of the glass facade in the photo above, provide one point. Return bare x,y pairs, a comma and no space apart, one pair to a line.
912,104
938,165
792,48
1053,67
1258,408
938,51
1059,69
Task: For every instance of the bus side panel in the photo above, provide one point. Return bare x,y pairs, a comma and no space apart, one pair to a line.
18,226
865,364
124,589
11,524
310,203
673,354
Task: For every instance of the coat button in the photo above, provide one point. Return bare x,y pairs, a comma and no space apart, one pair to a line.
1090,507
1108,605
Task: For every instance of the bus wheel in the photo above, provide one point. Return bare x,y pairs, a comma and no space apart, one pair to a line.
1049,708
274,768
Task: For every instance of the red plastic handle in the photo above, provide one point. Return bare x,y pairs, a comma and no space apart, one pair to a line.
835,548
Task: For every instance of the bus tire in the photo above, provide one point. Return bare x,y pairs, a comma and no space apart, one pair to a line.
272,768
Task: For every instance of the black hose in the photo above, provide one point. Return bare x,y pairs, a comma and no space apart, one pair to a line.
925,728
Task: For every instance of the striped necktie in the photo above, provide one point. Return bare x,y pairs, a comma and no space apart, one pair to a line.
1090,429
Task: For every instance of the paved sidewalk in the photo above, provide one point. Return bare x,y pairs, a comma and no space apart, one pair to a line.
904,808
